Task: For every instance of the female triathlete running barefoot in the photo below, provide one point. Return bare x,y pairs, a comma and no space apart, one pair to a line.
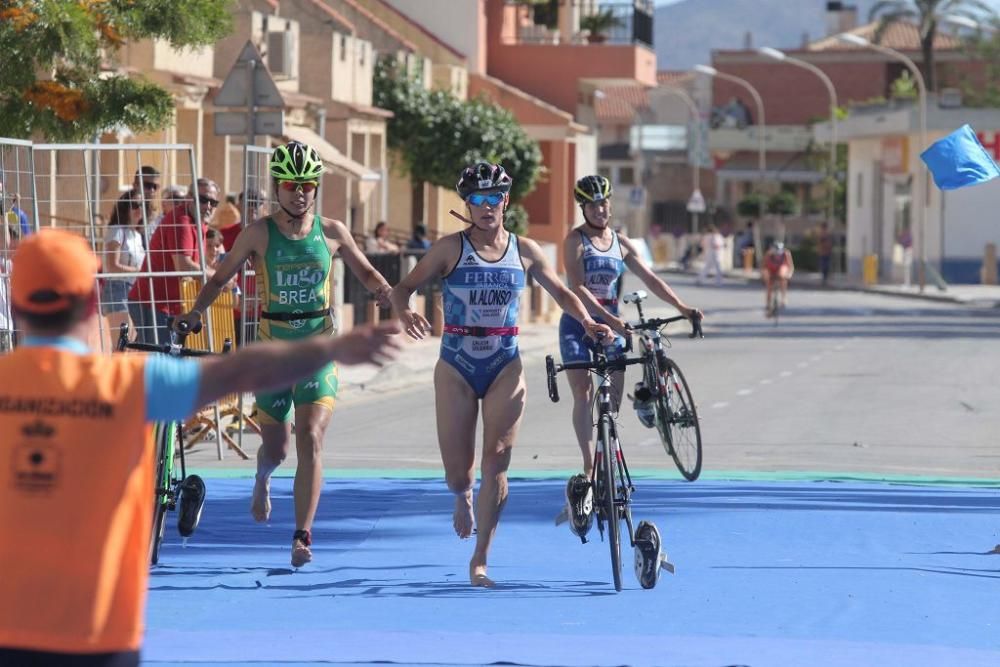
483,271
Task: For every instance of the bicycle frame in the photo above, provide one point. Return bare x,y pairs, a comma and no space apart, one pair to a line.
610,468
610,453
167,435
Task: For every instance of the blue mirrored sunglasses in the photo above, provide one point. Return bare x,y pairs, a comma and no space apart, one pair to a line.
492,199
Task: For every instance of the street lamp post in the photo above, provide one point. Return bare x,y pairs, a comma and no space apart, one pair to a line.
780,56
761,155
922,186
696,167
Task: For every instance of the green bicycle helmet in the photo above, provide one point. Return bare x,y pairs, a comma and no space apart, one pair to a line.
296,161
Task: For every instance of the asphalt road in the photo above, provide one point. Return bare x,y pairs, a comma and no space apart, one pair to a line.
847,382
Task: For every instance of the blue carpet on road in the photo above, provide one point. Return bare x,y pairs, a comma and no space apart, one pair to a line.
768,573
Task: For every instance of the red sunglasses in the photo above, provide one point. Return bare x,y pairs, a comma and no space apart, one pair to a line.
294,186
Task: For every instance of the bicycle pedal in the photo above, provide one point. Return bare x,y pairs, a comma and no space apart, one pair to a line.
666,564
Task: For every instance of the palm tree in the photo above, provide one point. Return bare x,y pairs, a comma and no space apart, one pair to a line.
927,14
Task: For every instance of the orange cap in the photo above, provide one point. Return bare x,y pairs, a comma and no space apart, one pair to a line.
49,269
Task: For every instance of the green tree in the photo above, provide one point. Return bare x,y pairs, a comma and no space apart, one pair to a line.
782,204
984,46
927,14
436,134
818,157
51,77
751,206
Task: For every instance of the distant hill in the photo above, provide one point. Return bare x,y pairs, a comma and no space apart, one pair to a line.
687,32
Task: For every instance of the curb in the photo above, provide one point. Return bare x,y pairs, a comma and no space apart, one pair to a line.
814,283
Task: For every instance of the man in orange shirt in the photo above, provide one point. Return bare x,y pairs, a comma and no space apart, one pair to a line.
76,456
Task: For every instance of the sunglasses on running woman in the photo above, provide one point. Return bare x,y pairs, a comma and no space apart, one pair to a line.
492,199
295,186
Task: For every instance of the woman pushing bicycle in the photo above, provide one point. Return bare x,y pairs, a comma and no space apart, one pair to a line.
483,270
596,259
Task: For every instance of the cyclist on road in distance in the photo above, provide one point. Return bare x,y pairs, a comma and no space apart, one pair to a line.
777,269
76,441
292,251
596,259
483,270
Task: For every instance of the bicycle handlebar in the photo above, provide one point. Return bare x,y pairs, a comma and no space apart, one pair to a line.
655,323
602,366
550,371
173,347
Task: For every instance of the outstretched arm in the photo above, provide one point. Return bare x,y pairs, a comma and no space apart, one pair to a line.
275,364
569,302
356,261
655,284
436,262
246,243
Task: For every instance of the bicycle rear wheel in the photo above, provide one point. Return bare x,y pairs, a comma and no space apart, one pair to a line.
677,422
607,500
165,435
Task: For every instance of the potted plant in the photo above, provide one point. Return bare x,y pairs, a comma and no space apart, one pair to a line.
598,24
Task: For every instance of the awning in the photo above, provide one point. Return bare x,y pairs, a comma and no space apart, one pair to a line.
334,159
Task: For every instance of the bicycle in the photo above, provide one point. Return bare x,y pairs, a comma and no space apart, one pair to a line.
674,414
610,479
171,489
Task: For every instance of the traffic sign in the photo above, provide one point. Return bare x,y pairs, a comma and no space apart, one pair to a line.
697,202
636,196
235,122
235,91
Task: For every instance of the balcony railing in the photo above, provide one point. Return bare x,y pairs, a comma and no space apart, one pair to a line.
634,22
539,24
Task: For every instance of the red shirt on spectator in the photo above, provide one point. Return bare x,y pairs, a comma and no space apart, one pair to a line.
176,234
229,235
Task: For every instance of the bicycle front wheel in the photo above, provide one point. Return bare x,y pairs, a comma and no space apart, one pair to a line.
607,476
677,422
165,435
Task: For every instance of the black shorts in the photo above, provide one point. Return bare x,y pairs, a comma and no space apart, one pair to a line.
14,657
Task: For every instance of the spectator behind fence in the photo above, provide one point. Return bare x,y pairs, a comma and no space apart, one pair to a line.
171,196
145,185
228,216
215,250
379,242
9,237
173,247
124,252
419,239
16,215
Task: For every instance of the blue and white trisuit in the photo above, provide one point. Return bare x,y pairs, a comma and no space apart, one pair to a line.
602,269
481,301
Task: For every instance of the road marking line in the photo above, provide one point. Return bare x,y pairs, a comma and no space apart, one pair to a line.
720,404
744,392
785,374
802,364
766,381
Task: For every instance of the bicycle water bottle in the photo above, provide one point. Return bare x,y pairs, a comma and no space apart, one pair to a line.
642,401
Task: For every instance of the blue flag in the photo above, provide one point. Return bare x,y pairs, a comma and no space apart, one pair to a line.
959,160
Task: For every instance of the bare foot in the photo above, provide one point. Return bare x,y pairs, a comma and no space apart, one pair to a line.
301,553
477,576
260,504
463,518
